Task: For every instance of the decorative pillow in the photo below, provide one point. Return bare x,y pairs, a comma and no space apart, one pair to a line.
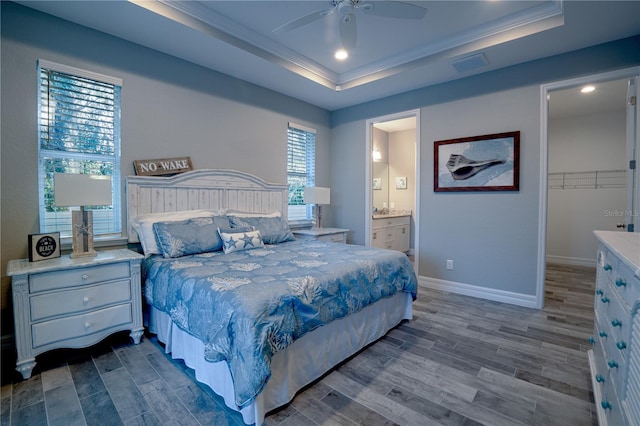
273,229
191,236
144,226
238,241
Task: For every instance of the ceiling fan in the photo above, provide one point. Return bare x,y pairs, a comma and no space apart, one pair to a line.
347,9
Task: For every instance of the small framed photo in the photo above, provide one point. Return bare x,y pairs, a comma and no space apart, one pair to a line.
401,182
44,246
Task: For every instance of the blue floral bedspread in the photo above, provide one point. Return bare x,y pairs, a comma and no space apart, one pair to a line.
246,306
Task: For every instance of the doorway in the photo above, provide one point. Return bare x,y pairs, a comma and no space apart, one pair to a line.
392,175
584,167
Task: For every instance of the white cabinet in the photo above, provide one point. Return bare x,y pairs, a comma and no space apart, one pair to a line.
615,356
74,303
391,233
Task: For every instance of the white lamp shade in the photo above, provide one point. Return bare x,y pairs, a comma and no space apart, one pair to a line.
81,190
316,195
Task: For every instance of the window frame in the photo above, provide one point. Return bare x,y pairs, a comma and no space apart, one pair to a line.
310,174
115,158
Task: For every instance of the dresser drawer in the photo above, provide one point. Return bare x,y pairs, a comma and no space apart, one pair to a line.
75,277
85,298
606,263
627,284
80,325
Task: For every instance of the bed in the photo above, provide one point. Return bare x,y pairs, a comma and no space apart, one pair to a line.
256,313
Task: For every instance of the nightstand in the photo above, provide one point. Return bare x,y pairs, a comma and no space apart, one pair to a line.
74,303
334,235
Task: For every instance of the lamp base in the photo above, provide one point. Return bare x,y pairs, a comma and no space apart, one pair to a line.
82,225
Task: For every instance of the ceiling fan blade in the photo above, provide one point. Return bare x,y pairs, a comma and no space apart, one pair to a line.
348,30
304,20
393,9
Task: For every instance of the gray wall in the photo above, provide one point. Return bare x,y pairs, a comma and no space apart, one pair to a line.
169,108
492,237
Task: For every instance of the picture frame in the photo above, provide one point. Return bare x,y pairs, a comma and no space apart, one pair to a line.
401,182
477,163
377,184
44,246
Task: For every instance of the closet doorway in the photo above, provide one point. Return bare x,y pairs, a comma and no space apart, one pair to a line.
392,185
589,143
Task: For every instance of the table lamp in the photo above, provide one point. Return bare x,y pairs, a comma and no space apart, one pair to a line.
317,195
71,190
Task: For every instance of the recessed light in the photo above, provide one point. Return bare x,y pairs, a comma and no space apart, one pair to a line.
341,54
587,89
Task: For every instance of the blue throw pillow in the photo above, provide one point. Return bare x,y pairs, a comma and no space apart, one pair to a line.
273,230
191,236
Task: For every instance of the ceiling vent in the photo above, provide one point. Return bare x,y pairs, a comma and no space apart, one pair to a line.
470,63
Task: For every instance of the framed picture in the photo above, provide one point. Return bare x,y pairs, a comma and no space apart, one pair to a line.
477,163
44,246
401,182
377,183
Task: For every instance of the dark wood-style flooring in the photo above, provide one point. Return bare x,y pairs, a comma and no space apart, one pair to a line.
461,361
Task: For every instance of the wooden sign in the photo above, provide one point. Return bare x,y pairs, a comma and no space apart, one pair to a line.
162,166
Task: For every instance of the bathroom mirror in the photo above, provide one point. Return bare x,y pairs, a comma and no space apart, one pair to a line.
380,186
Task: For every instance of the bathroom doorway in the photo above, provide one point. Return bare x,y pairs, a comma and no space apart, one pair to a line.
393,182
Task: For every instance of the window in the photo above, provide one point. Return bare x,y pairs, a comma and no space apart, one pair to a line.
301,169
78,132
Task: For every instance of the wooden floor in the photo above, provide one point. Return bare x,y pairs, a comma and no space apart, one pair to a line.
461,361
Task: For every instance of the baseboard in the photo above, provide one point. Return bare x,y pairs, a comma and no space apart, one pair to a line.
528,301
572,261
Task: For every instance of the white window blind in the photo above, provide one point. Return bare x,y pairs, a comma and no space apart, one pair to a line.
301,168
79,132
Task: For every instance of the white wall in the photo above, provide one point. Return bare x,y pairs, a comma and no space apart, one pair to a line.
585,143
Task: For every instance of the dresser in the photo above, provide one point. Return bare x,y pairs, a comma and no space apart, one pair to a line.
74,303
615,355
391,232
333,235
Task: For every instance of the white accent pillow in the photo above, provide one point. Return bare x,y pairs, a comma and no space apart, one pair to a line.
143,225
239,241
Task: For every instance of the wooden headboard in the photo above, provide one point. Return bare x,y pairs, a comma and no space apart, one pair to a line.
213,189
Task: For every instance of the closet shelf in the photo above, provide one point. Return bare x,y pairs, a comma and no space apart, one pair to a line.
588,180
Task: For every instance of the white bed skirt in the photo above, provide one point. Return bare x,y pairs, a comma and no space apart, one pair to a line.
301,363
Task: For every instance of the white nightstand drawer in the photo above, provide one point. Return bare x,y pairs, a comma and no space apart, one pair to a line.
80,325
333,238
75,277
81,299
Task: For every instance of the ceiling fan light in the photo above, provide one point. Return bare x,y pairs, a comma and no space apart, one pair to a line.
341,54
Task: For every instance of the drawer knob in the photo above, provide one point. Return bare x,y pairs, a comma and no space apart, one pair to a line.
599,378
602,334
606,404
85,277
621,345
87,325
612,364
616,323
86,299
621,283
605,300
607,267
599,292
591,340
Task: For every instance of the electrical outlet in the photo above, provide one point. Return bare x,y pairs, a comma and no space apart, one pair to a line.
450,264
